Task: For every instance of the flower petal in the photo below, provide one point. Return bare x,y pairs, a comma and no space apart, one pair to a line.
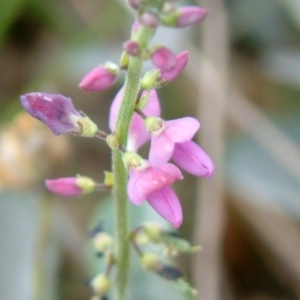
181,130
191,158
166,203
141,183
138,135
56,111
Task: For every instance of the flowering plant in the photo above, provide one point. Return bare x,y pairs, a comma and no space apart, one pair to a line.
134,119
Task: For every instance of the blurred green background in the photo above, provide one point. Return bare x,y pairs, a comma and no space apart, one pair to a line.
242,81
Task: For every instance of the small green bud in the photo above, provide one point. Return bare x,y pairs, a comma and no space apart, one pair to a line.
102,242
150,80
153,232
150,261
100,284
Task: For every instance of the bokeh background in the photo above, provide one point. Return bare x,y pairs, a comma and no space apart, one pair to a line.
242,82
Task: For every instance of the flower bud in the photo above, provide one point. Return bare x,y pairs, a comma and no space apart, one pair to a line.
150,261
132,48
150,19
100,284
151,81
184,16
153,232
56,111
100,78
102,241
71,186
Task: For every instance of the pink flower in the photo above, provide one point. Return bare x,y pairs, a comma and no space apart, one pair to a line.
191,158
164,59
138,135
55,110
173,132
100,78
71,186
181,61
166,203
153,185
156,78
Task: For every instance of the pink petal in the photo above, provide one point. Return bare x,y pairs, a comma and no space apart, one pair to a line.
175,131
191,158
190,15
64,186
181,130
141,183
164,59
138,135
161,150
167,205
99,78
56,111
181,61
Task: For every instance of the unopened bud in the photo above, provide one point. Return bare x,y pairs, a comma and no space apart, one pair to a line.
184,16
150,261
102,242
100,78
150,19
100,284
135,4
150,80
132,48
71,186
153,232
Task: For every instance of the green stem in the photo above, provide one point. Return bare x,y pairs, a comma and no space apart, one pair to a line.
119,170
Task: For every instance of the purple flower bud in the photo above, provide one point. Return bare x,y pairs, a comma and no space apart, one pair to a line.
100,78
71,186
54,110
184,16
164,59
132,48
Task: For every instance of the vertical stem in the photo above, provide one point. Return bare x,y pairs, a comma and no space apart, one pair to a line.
119,170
